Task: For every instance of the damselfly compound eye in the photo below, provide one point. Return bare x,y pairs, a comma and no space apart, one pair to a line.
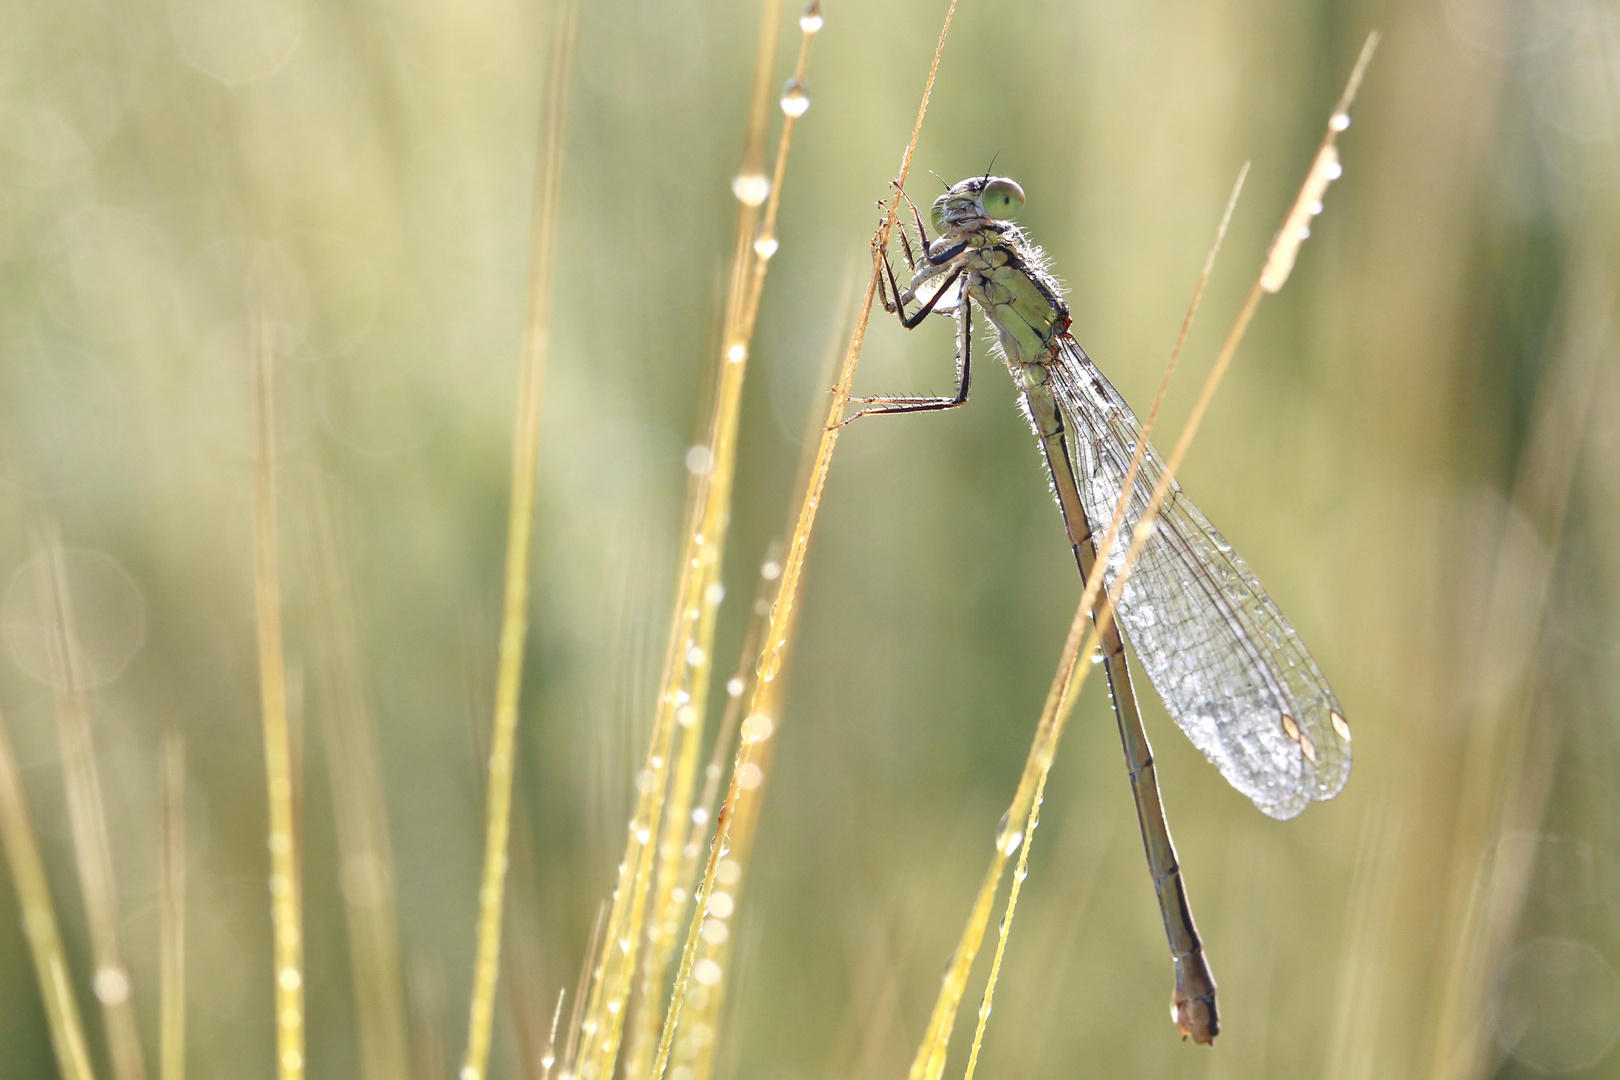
1001,198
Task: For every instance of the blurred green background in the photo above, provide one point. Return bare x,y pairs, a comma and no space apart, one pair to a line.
1416,450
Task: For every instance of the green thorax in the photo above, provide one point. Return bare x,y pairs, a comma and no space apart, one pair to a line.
1005,275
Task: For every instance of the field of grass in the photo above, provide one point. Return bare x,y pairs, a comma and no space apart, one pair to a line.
288,288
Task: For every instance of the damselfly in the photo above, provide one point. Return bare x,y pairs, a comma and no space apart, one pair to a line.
1231,670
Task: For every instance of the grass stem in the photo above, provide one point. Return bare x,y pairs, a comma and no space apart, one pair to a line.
39,921
285,889
520,528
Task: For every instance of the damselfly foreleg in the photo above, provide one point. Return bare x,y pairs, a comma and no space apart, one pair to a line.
964,367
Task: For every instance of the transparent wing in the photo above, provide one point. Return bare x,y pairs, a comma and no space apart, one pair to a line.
1231,670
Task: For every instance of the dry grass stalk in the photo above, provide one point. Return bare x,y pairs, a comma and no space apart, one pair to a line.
1027,840
525,1003
520,527
1016,831
172,913
366,864
1507,771
701,1008
701,1017
1352,1050
285,891
675,868
87,815
748,769
39,921
424,995
665,800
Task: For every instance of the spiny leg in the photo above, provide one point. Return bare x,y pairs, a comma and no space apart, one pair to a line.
964,371
912,321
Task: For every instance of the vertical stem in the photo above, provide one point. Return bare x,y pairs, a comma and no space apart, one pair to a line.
519,532
285,905
172,913
39,921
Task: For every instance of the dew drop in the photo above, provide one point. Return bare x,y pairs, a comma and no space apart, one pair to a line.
1333,171
714,593
1340,121
112,986
737,353
721,905
756,728
771,570
751,188
1316,207
699,461
811,20
695,656
765,246
795,100
750,776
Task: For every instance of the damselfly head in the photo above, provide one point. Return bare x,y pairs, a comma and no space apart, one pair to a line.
975,201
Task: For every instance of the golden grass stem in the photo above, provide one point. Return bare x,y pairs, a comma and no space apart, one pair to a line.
285,890
430,1054
702,1010
366,864
676,867
550,1057
1081,640
665,801
92,848
1506,773
172,913
39,920
519,533
748,769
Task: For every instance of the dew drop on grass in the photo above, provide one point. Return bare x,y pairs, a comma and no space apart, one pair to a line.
811,20
795,99
699,460
111,986
765,246
751,190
